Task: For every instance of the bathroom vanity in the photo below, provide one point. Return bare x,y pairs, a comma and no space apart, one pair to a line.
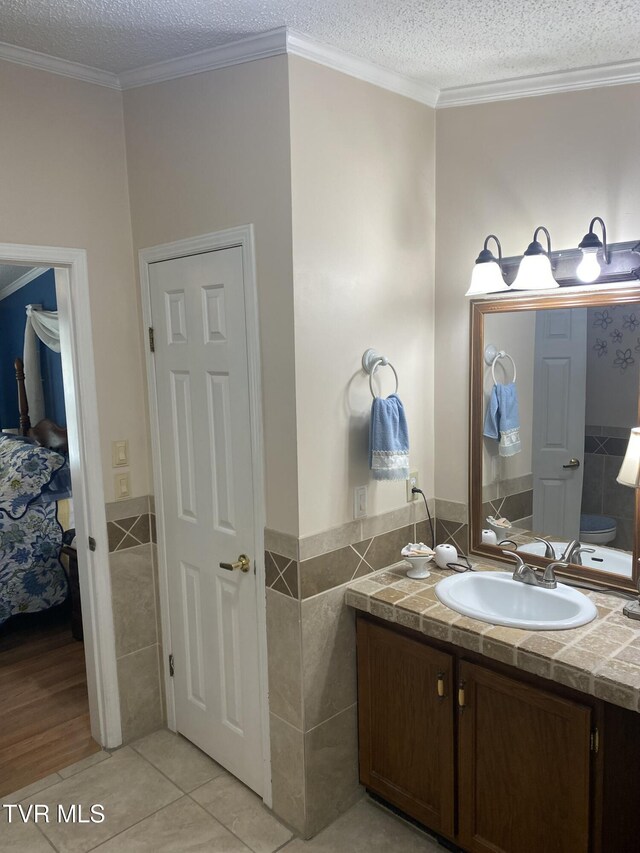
468,728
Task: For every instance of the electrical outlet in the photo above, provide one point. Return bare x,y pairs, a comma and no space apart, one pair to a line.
412,483
360,502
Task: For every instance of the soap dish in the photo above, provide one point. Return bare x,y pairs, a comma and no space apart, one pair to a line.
418,566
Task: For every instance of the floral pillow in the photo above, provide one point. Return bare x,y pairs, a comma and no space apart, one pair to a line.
25,469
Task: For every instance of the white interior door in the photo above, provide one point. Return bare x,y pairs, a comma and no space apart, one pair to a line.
559,393
202,385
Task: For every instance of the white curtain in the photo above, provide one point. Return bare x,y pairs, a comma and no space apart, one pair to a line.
43,325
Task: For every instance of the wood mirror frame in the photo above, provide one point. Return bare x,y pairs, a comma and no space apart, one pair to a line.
564,298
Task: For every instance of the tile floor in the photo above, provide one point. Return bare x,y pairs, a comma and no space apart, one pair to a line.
162,795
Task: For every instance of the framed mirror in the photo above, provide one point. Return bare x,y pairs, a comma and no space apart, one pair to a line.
546,468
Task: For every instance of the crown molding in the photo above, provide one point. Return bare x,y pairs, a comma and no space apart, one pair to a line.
594,77
339,60
17,283
283,40
261,46
54,65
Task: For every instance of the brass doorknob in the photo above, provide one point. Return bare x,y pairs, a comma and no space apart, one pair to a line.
243,563
573,463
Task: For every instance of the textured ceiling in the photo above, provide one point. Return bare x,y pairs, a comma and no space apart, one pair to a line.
8,274
443,42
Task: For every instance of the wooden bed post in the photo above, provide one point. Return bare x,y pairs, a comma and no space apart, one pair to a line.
23,405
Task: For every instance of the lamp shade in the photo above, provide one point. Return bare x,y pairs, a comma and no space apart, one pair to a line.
486,278
534,273
630,470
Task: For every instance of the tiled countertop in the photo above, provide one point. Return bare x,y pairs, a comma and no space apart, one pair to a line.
601,658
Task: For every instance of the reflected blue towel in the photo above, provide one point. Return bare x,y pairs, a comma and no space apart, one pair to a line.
388,439
502,419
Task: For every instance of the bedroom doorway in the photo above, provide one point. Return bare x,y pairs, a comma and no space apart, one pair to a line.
63,693
44,714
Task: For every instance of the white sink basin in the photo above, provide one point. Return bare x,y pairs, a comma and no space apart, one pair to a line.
495,597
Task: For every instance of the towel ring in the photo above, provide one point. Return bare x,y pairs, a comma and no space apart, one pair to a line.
498,356
371,361
375,367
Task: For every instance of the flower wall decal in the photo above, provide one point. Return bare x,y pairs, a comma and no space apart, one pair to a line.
603,319
623,359
630,321
602,347
616,336
637,346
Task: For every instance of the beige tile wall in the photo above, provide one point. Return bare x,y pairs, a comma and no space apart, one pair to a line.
311,646
312,660
136,615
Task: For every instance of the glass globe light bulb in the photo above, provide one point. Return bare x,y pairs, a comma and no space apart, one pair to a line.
588,269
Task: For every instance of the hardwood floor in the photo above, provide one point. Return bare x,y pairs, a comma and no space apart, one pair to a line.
44,708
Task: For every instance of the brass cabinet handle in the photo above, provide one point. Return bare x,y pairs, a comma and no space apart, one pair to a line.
461,700
441,685
573,463
243,564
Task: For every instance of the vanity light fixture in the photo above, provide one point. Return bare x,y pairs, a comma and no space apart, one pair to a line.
630,476
487,274
589,268
534,272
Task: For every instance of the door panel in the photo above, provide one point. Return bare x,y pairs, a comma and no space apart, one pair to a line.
559,389
406,726
202,383
524,767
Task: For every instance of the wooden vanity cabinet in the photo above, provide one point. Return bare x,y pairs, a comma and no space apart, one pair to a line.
406,722
494,763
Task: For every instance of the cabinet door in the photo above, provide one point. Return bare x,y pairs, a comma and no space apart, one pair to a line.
406,724
524,767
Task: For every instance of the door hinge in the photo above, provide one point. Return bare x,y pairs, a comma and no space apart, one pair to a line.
152,340
92,543
595,740
171,667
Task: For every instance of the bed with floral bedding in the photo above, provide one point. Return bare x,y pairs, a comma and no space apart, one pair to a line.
31,575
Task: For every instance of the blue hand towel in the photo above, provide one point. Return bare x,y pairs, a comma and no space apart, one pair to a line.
388,439
502,419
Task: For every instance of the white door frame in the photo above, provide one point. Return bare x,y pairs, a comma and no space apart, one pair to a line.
243,237
72,289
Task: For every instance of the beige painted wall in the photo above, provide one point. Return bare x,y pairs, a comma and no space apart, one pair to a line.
362,163
64,183
209,152
514,333
505,168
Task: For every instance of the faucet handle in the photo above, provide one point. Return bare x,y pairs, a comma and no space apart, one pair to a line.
549,550
519,561
576,554
549,572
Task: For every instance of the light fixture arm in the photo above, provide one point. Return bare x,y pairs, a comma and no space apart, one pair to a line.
535,237
498,244
605,249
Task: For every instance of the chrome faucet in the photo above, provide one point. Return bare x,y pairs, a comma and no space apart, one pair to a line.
523,573
572,553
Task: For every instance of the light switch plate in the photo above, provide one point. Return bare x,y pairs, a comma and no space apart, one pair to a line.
122,485
360,502
120,453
